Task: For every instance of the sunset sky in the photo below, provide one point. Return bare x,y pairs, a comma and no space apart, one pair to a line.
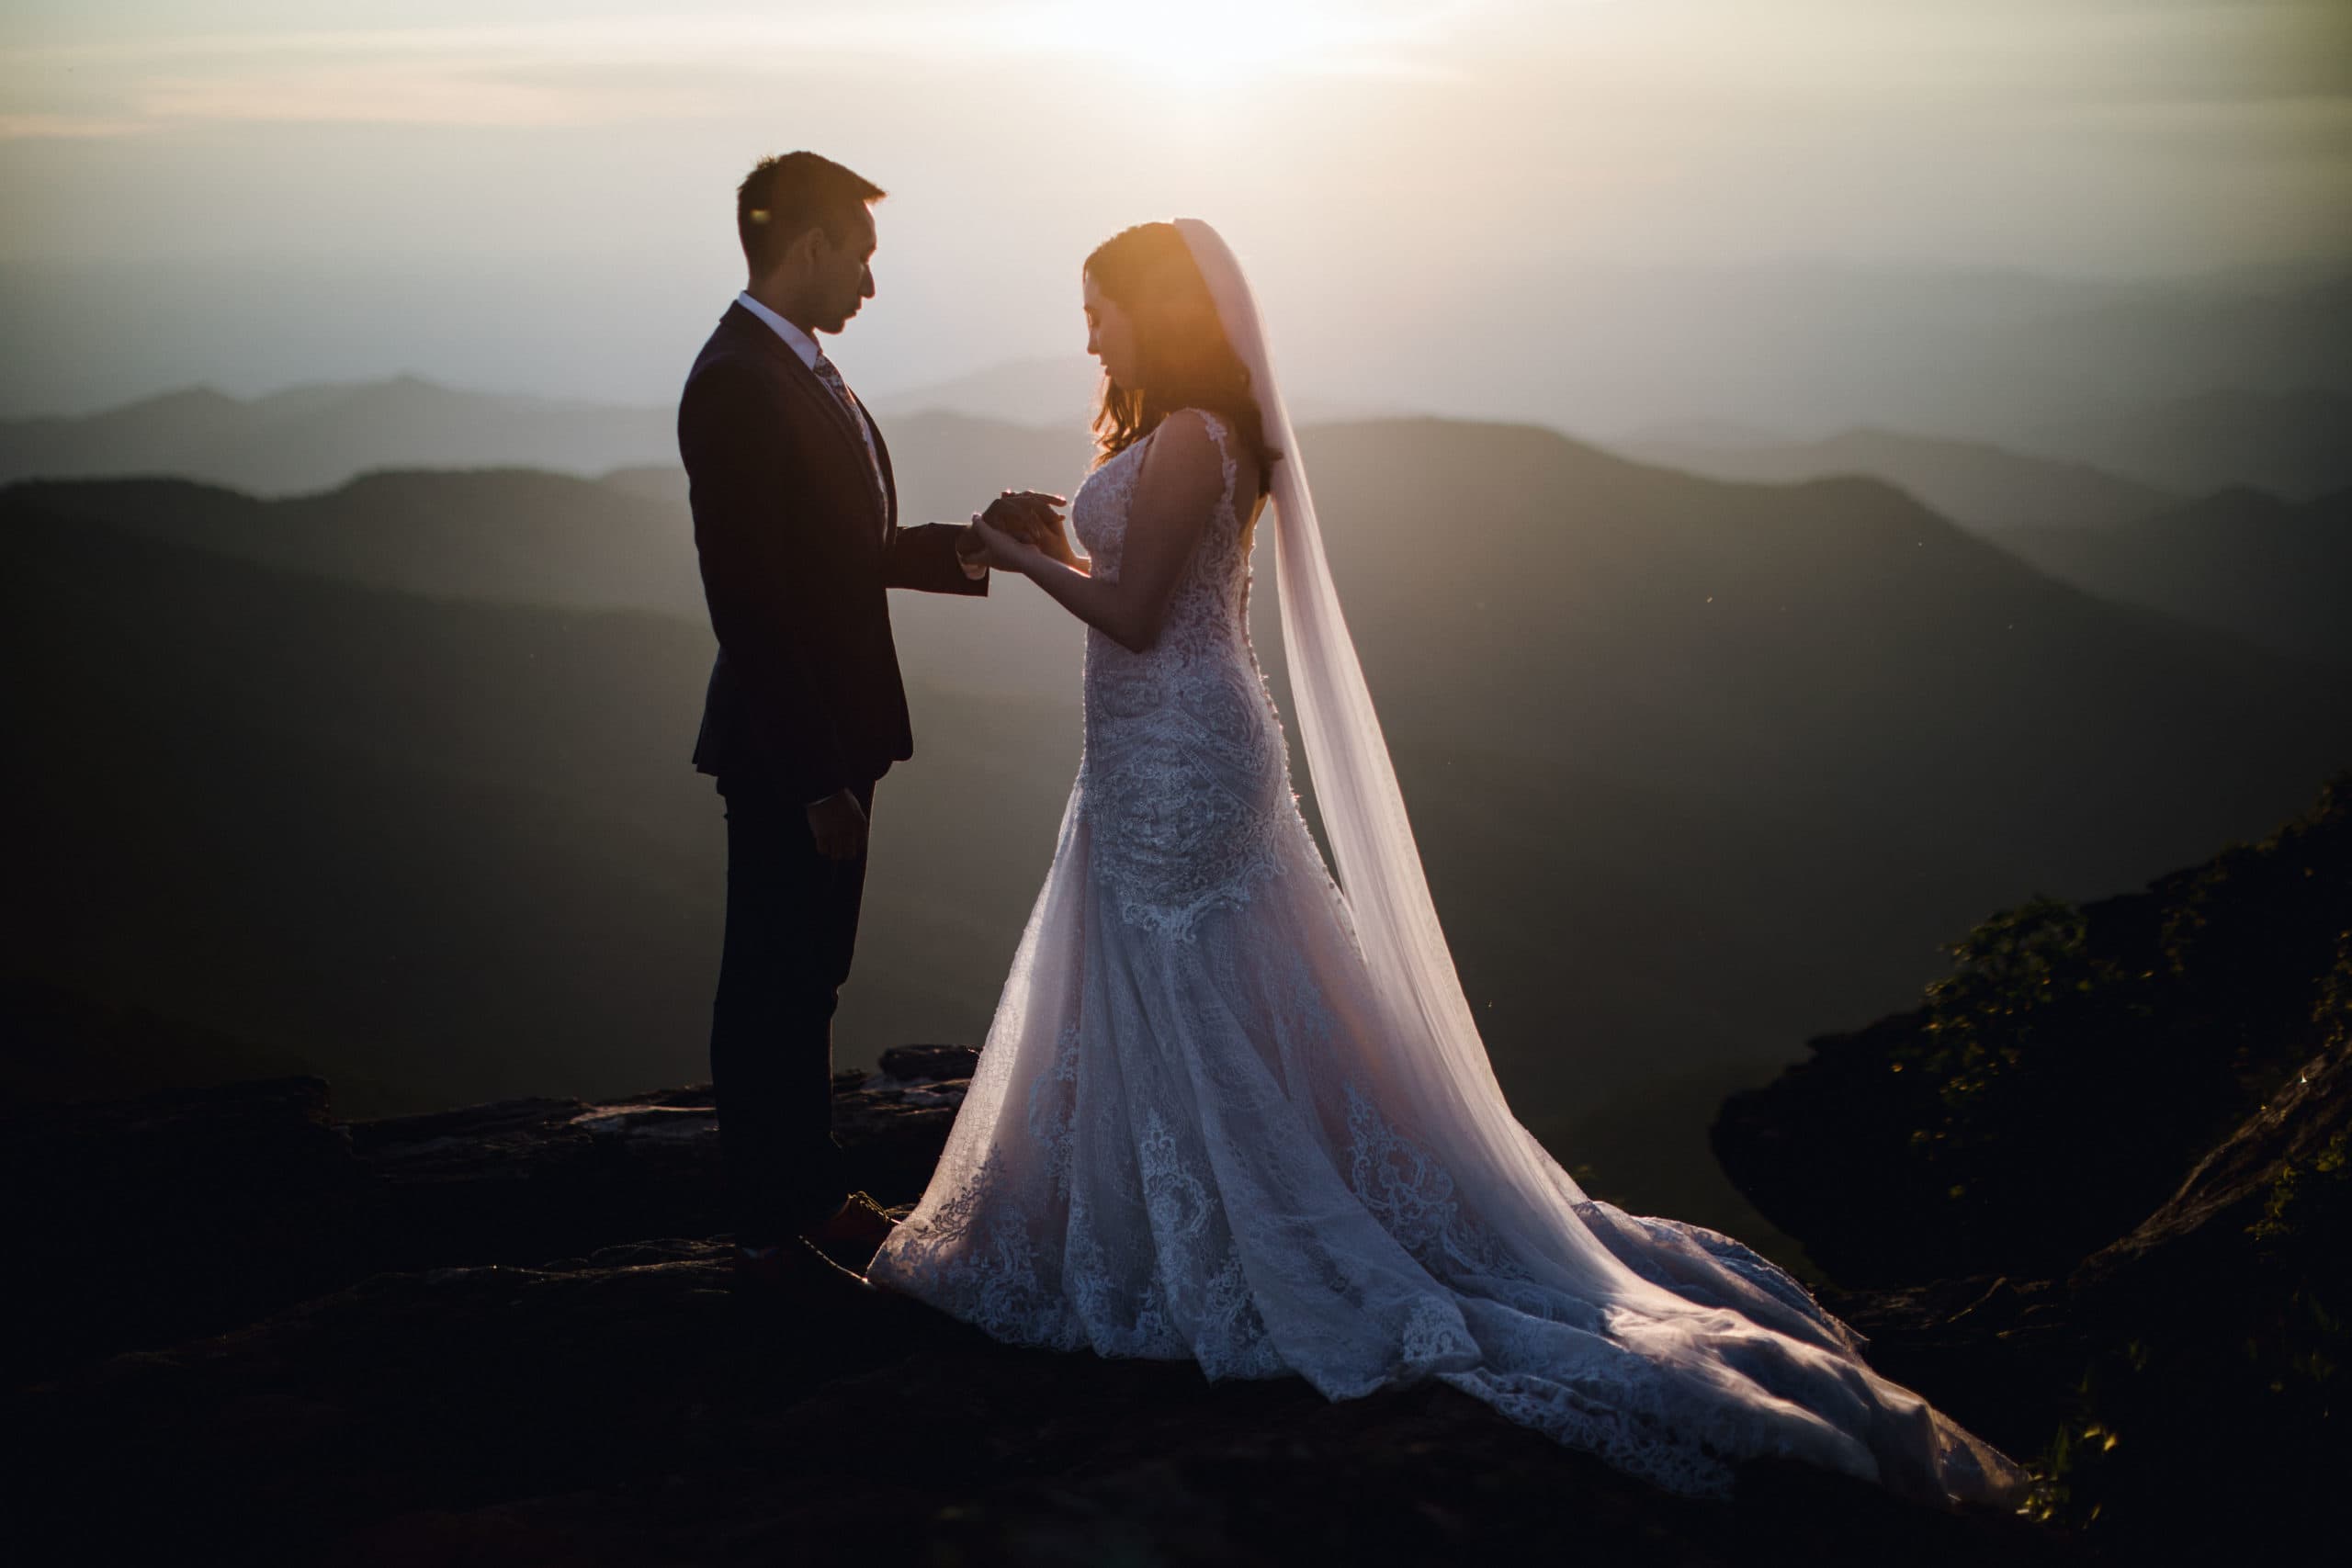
538,197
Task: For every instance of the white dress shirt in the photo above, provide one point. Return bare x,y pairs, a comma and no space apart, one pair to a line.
800,342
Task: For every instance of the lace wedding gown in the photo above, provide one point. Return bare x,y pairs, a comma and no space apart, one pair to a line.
1194,1133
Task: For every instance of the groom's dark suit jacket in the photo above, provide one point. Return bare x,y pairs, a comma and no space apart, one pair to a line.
796,549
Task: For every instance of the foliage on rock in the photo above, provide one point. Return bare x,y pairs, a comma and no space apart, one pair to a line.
2051,1090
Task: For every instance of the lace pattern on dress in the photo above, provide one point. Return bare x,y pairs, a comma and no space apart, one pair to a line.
1002,1264
1184,769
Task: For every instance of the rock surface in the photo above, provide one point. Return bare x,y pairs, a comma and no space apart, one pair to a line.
503,1334
2130,1127
621,1407
196,1211
2056,1089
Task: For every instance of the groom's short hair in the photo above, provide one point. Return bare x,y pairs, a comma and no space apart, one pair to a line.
785,197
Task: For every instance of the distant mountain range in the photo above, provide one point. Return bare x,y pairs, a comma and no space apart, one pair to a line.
307,439
395,778
2298,443
1974,484
518,535
1056,392
2275,572
316,437
1059,394
1809,347
521,536
2082,470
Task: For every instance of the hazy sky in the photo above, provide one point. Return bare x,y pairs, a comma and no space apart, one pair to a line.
538,197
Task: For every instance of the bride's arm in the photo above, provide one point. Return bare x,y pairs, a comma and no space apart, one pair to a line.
1176,490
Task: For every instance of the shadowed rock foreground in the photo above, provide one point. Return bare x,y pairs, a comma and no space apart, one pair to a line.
2093,1199
503,1334
2118,1140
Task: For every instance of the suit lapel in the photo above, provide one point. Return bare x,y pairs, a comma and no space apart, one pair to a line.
801,377
890,477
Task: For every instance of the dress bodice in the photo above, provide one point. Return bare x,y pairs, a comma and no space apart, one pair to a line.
1208,613
1185,773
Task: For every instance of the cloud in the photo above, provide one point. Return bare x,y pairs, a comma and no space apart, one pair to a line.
404,92
1714,59
65,127
575,71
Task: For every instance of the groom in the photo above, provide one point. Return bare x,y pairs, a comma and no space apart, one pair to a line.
796,525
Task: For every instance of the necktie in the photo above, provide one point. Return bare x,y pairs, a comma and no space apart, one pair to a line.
840,389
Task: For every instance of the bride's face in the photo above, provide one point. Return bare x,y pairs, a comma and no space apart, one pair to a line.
1110,334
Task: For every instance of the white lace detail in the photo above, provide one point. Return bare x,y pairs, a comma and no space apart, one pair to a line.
974,1252
1184,765
1412,1197
1053,1108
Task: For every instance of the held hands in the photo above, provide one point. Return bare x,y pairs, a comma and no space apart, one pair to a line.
1016,525
1000,550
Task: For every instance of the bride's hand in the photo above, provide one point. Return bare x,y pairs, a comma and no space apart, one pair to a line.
1001,550
1052,543
1030,515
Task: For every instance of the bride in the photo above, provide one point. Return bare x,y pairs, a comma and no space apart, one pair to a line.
1233,1111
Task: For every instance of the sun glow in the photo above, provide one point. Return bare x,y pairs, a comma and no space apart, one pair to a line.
507,72
1211,41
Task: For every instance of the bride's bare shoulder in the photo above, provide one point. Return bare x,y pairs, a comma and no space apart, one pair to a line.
1183,449
1202,443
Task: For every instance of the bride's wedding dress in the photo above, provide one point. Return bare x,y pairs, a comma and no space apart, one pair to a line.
1228,1114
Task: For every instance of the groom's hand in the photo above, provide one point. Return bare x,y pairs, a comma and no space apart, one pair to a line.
838,824
1029,515
971,552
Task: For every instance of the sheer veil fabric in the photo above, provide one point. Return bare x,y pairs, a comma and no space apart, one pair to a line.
1235,1110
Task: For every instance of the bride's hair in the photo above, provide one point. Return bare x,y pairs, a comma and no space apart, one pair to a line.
1182,357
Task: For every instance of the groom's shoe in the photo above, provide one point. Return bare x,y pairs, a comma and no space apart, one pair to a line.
794,1273
854,1232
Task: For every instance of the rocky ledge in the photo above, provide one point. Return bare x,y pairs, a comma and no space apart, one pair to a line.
196,1211
503,1334
2100,1188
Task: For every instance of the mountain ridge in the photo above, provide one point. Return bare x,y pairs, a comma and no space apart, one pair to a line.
1978,484
2099,463
310,435
2275,572
1622,790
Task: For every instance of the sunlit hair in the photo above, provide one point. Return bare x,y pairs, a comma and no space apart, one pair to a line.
784,198
1182,359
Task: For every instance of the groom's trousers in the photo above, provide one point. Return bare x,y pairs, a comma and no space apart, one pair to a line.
791,925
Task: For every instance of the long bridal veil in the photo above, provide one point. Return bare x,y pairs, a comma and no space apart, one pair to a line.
1434,1039
1379,865
1745,1360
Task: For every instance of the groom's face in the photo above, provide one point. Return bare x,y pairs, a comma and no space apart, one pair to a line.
841,275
